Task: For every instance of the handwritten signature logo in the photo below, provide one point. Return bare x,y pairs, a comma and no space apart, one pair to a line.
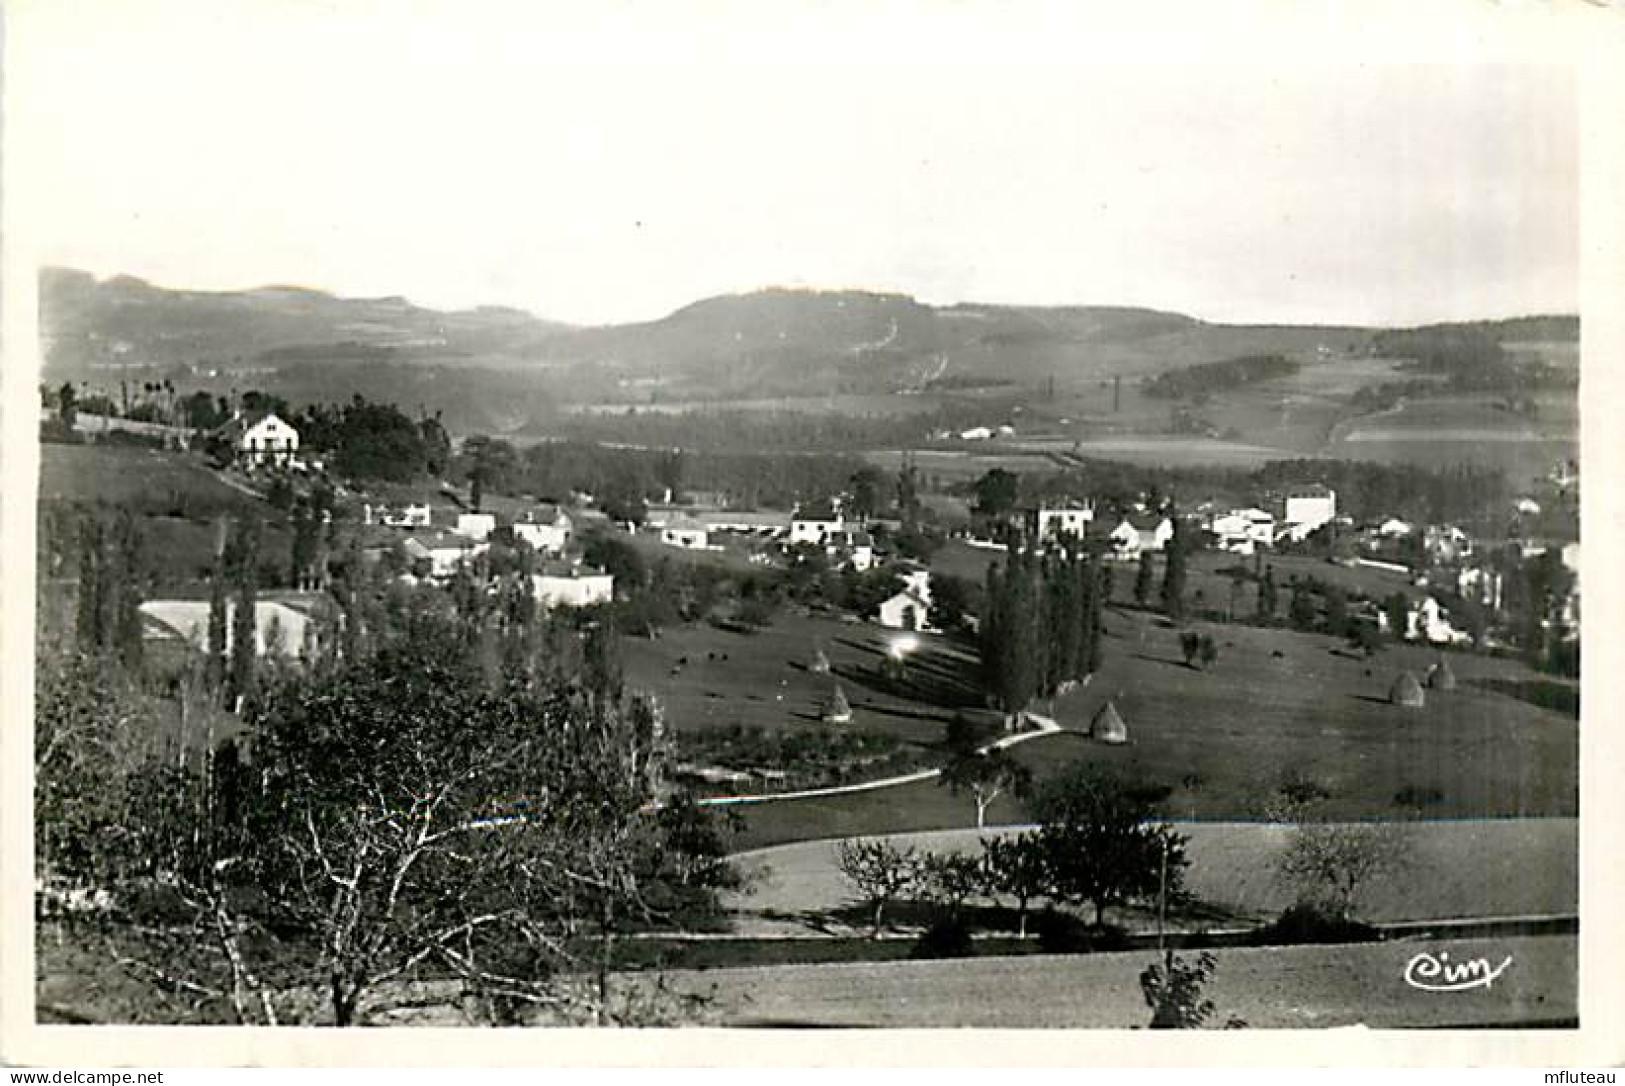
1437,973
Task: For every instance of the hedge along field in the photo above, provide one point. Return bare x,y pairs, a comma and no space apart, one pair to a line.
1275,704
1460,869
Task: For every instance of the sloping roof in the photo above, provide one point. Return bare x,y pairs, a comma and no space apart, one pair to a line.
821,511
685,523
545,514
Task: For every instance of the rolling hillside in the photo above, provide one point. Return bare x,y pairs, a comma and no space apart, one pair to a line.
496,369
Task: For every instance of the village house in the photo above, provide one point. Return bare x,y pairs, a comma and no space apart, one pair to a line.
1446,544
1072,519
815,523
1242,531
1429,622
546,528
443,552
1394,528
261,439
687,533
559,585
1307,510
909,609
1480,585
407,516
475,526
1138,533
975,433
764,525
278,627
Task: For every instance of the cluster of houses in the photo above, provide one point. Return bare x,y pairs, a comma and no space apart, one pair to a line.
844,540
436,553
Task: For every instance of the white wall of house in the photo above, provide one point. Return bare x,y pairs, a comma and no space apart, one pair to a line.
188,620
476,526
268,441
573,590
1072,520
1308,510
691,538
813,531
904,611
547,538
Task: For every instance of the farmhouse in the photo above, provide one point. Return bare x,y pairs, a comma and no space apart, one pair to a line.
686,532
910,608
260,439
975,433
765,524
1308,508
444,552
815,523
407,516
547,529
1066,520
1428,622
1243,530
277,627
1394,528
561,585
1138,533
476,526
1446,543
905,611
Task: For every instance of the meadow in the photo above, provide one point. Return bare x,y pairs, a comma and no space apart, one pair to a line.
1277,705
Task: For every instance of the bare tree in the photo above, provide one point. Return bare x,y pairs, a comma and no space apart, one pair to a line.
1329,864
986,775
881,873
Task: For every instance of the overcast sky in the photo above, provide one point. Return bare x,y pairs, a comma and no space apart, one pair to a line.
589,174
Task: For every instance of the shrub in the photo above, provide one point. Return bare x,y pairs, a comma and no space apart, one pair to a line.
947,937
1066,933
1309,923
1414,795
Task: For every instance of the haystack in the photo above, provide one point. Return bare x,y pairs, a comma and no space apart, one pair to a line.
1407,691
1108,726
1440,677
837,710
820,663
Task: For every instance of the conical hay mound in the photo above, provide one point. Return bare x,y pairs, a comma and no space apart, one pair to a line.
1108,726
1407,691
1440,677
836,709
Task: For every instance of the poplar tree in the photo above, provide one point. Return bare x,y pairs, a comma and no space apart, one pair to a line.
1173,574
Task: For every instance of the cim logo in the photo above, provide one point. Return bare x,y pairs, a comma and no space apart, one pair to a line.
1438,973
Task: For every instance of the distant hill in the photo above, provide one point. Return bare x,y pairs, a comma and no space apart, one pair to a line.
495,368
89,325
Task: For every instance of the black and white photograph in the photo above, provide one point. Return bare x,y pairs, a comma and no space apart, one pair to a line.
806,518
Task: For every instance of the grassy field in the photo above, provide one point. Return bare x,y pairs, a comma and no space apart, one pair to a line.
178,501
1478,868
1276,702
762,679
1285,987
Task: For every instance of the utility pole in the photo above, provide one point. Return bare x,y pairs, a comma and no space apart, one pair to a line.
1162,910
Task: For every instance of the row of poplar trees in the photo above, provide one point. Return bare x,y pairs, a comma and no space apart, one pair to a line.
1041,623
